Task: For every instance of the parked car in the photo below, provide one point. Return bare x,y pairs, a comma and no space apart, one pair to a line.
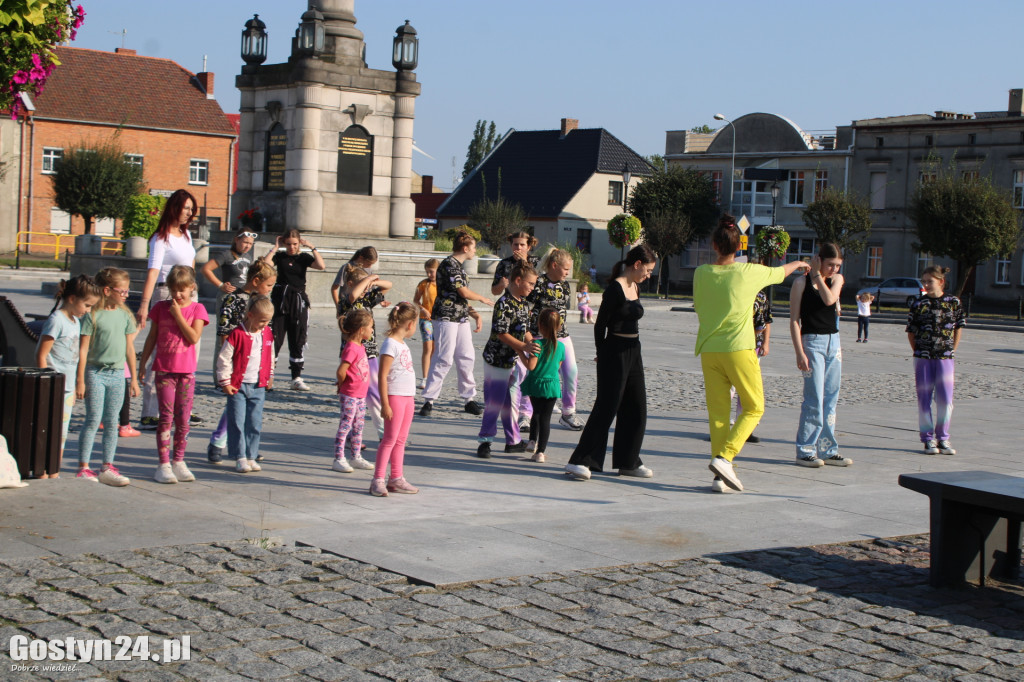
896,290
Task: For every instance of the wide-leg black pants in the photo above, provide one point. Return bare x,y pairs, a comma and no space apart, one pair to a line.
621,396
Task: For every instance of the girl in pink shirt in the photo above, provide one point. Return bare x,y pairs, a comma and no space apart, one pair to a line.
353,382
174,337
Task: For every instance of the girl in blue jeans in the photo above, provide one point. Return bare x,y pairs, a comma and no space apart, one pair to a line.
815,331
243,374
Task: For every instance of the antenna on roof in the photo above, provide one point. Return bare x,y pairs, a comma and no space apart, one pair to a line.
123,33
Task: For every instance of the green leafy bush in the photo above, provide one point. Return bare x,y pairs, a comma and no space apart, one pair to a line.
143,216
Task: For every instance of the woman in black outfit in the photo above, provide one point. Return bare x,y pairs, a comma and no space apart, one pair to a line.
621,391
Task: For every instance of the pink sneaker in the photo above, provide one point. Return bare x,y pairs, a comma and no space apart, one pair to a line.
377,488
400,485
128,431
88,474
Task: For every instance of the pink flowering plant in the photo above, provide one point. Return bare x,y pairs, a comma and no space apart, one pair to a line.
624,230
29,30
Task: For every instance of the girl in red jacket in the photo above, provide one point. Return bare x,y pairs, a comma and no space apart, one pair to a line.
245,365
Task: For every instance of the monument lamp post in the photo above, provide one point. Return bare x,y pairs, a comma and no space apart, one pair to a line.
626,177
311,34
254,42
732,167
406,48
775,198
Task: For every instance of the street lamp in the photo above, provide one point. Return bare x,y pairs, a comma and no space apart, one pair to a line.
310,38
732,168
775,196
254,41
405,48
626,177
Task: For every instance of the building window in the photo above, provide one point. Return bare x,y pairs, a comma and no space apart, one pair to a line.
104,227
820,183
874,262
213,224
879,142
877,195
615,192
753,198
796,188
924,260
51,157
60,222
924,177
583,238
716,184
198,172
801,248
133,160
972,138
929,141
1003,270
699,253
971,175
1018,188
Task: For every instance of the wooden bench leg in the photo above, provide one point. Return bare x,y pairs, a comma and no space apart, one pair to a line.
969,544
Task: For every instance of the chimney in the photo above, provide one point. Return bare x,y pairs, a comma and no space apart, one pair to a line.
428,184
1016,107
125,50
569,125
205,79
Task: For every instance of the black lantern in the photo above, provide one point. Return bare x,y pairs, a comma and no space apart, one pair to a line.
310,39
254,42
626,176
406,52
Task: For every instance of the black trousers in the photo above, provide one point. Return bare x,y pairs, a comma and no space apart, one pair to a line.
126,406
291,320
621,396
540,422
862,325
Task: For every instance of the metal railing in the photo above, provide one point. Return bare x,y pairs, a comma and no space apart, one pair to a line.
56,243
391,255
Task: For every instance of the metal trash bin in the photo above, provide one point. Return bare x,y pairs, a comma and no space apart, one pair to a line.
31,408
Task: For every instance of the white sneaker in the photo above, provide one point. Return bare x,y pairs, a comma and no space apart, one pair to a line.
578,471
722,468
640,472
112,477
254,465
242,466
164,474
539,457
420,383
360,463
299,385
531,446
181,472
838,460
719,486
571,421
931,447
341,465
946,448
557,409
524,423
811,461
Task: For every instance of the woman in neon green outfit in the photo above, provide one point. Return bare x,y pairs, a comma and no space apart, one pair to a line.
723,296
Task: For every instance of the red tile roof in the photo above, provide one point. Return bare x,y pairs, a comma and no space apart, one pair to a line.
126,89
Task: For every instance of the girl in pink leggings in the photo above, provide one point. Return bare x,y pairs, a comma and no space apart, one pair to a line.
174,339
397,383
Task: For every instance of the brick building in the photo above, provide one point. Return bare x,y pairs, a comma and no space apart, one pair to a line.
166,119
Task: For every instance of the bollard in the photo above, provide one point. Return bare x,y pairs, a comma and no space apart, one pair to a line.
136,247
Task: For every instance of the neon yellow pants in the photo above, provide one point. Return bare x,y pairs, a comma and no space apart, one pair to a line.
723,371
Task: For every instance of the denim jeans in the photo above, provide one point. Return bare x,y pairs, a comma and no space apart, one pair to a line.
816,434
245,421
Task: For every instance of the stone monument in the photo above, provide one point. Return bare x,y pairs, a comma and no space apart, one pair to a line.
325,142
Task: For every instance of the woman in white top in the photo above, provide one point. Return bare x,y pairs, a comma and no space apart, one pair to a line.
170,245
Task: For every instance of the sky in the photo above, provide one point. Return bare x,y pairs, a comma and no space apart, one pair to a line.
637,69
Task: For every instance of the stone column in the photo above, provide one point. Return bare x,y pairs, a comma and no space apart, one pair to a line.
403,211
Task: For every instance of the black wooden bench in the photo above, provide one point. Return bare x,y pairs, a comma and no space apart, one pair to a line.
976,521
17,339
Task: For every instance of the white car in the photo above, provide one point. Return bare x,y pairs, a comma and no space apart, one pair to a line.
896,290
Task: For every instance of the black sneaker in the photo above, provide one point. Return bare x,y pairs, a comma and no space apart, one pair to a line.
148,424
214,454
473,408
259,458
753,439
483,451
427,408
516,447
194,419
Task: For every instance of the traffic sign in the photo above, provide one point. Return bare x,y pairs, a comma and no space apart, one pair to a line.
743,224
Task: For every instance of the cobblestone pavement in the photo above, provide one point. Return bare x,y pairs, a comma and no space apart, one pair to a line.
855,611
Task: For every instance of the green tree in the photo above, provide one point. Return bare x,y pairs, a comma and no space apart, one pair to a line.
29,29
841,218
484,139
95,183
704,128
656,161
967,219
676,207
142,216
496,219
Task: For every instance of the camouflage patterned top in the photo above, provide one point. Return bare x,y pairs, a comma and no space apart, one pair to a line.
511,316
